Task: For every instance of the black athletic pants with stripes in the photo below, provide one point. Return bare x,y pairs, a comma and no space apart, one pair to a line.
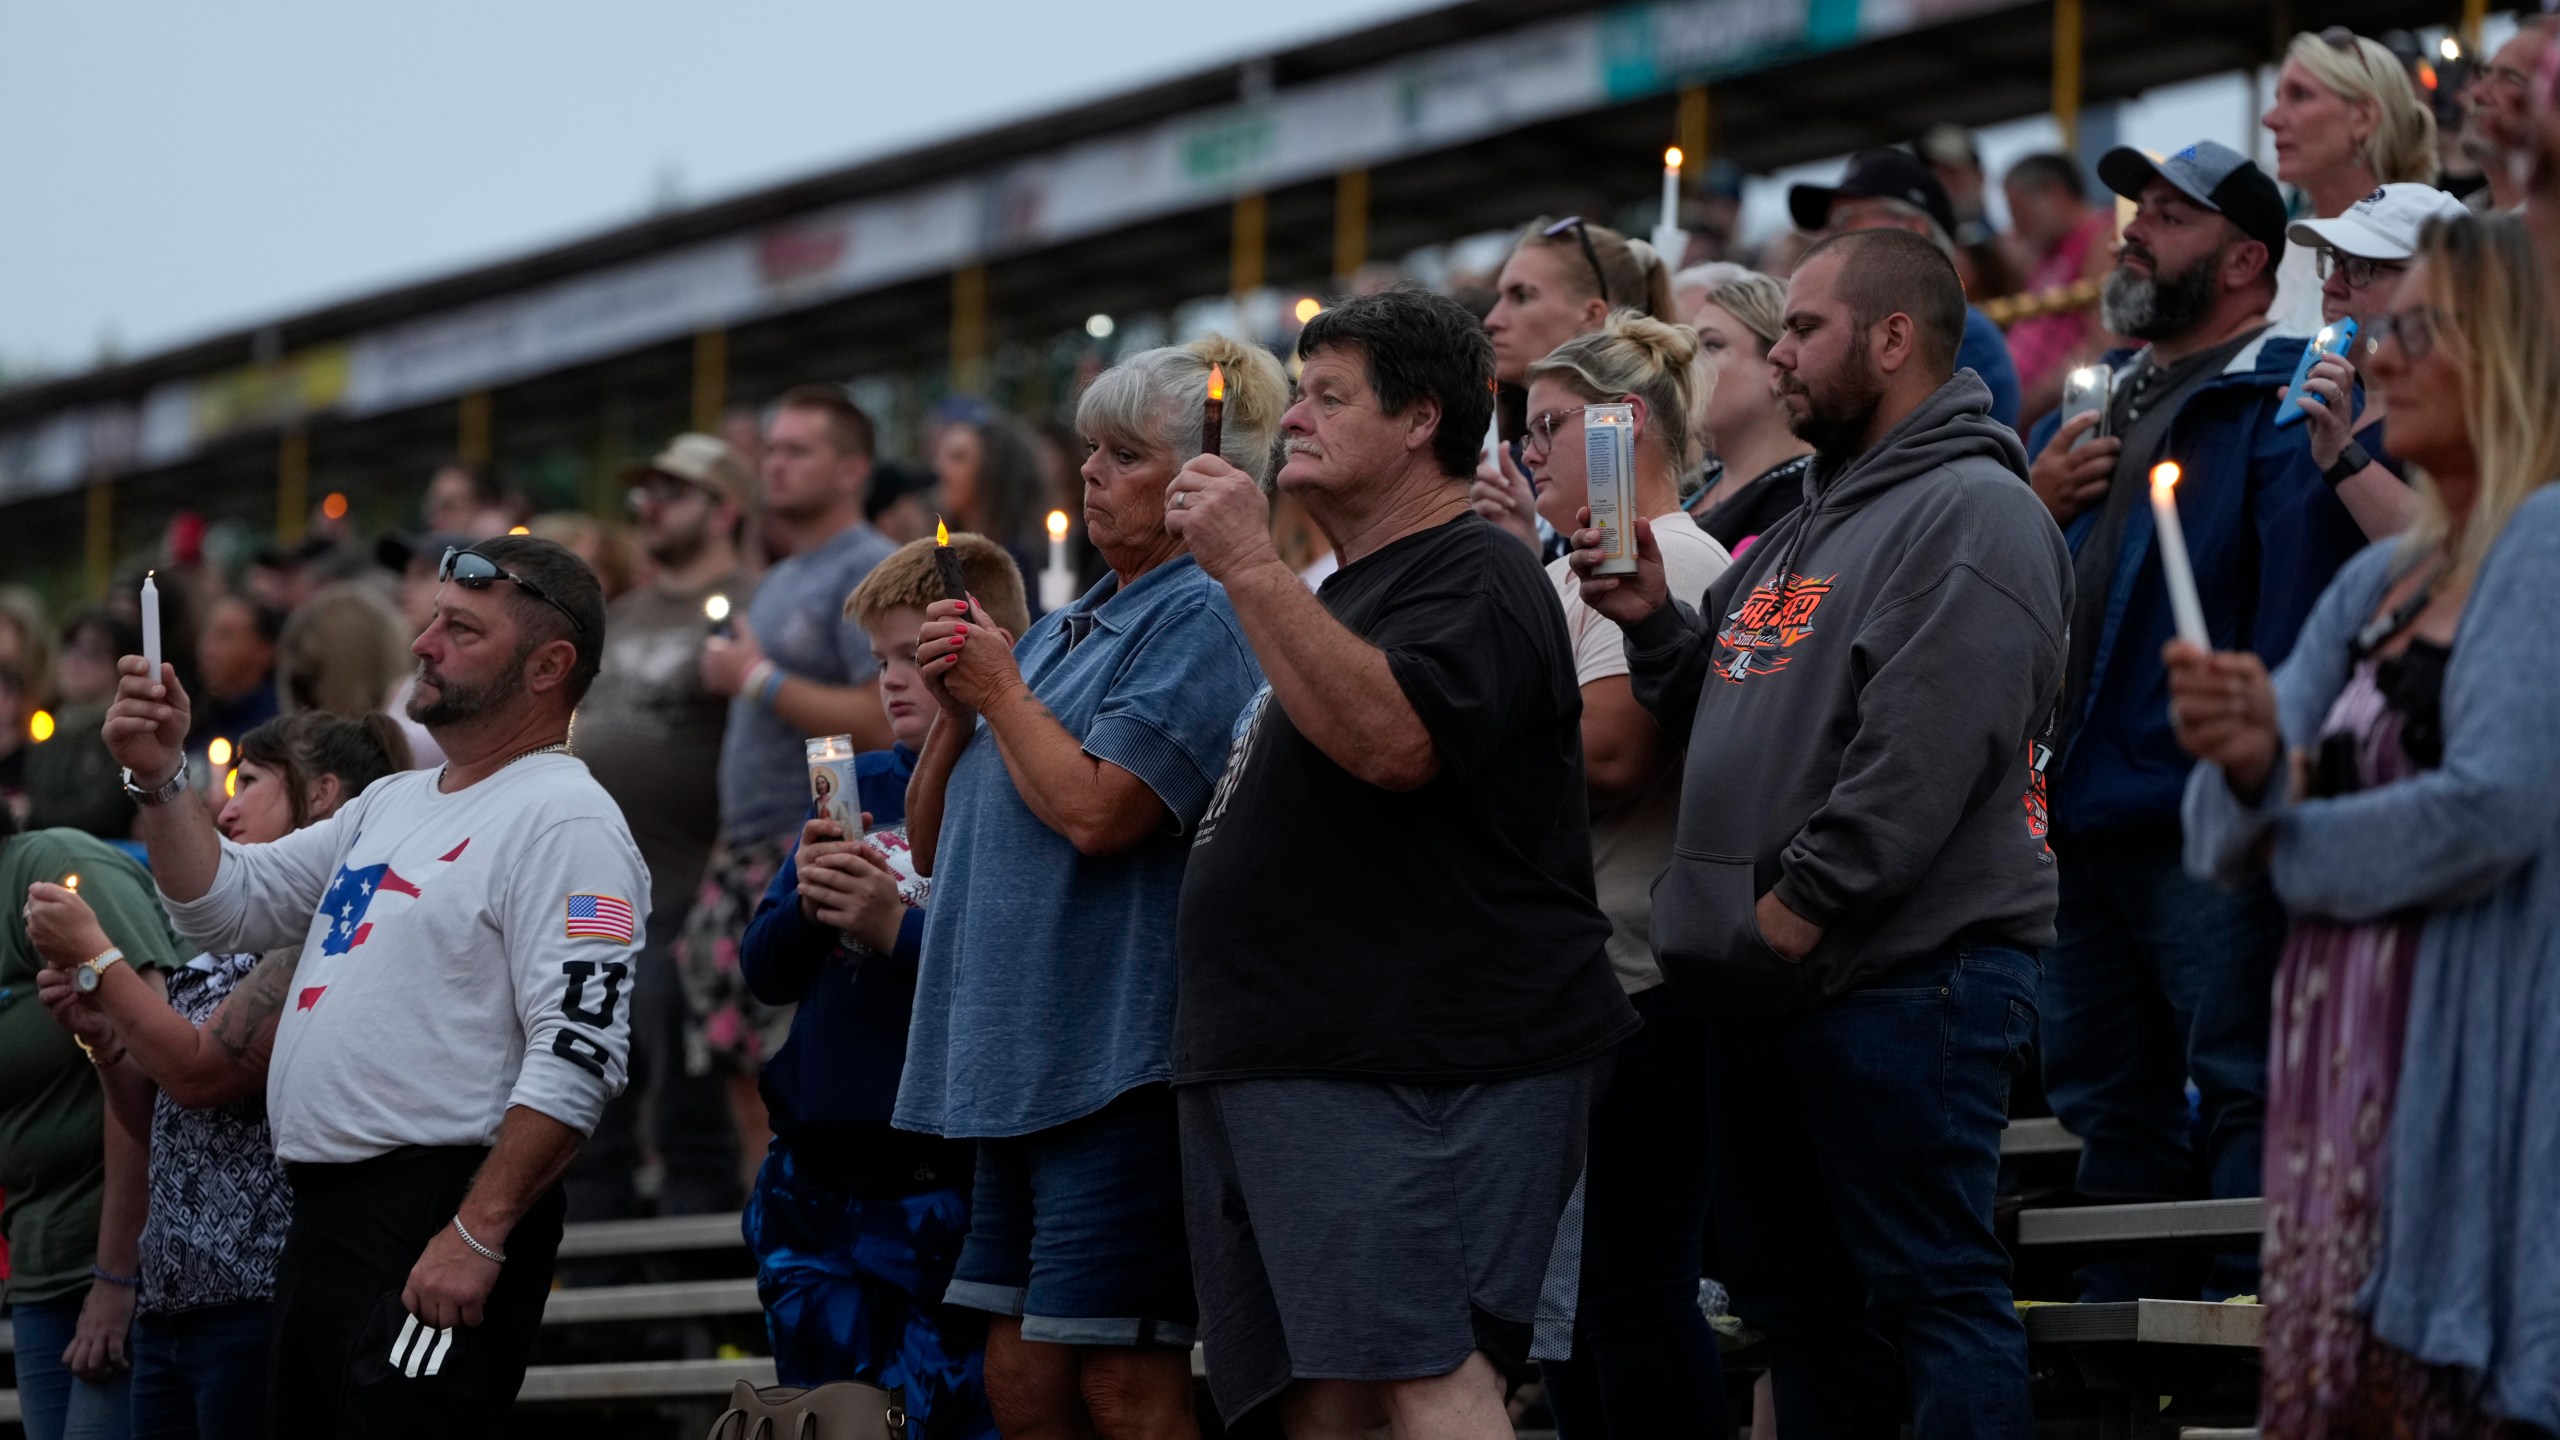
358,1230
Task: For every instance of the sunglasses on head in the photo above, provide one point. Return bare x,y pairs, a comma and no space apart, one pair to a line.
474,571
1582,233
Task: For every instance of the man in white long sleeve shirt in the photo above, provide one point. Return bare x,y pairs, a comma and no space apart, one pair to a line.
458,1015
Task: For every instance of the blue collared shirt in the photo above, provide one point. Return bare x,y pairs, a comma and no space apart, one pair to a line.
1048,976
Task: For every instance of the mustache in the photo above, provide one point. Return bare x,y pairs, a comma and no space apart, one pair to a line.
2136,250
1301,447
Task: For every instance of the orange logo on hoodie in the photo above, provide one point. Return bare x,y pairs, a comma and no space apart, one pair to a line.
1772,619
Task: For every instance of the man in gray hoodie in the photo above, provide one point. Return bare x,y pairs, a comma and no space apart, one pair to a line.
1860,879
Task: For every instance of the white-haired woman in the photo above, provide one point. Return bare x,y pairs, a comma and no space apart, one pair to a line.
1053,807
2346,121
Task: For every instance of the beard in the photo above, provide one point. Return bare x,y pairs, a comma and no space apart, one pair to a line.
677,550
456,703
1839,414
2159,307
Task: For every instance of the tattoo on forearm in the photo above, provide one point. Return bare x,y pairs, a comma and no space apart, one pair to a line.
243,1016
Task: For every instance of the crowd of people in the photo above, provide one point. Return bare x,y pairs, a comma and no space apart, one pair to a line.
1362,932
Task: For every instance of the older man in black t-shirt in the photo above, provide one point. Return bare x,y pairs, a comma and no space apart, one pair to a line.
1394,992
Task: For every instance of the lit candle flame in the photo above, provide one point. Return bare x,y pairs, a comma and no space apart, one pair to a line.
716,609
218,753
40,726
1057,524
335,506
1217,383
1309,308
231,784
2164,476
941,532
1671,158
71,882
519,529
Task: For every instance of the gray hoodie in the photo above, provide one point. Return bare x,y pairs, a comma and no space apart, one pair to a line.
1867,737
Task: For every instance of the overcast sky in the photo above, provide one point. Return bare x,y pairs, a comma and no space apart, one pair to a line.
169,169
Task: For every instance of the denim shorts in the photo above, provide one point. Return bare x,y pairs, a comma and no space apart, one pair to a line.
1106,1262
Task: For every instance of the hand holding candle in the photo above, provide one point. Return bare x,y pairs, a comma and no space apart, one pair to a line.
2173,556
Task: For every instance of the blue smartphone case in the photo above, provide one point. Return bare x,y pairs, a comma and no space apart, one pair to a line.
2332,340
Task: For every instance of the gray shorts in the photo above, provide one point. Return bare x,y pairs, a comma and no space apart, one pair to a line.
1350,1230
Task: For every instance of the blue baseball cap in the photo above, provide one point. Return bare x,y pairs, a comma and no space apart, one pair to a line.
2216,177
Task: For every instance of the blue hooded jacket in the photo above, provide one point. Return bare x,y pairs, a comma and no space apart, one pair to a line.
2265,534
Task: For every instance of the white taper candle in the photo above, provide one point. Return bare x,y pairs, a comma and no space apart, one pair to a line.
2173,556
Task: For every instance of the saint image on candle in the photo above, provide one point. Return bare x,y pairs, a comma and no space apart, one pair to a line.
2180,575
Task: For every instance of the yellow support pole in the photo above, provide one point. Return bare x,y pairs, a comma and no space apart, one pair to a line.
1696,134
1244,268
293,484
2475,14
1350,223
102,535
710,379
2066,73
968,327
472,428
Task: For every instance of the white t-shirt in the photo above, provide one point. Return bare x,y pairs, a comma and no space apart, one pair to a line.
1631,845
461,954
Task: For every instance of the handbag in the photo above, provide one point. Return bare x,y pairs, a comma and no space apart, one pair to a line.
844,1410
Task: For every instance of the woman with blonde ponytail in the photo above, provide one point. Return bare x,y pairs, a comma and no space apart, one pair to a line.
1644,1362
1564,278
2395,781
1053,806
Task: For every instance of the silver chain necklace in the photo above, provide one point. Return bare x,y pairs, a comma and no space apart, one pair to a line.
560,748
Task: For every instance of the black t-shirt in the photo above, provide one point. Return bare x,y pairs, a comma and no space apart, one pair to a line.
1332,928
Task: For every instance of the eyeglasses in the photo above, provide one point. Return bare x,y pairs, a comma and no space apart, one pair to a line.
474,571
2414,328
659,489
1582,233
1543,427
2360,271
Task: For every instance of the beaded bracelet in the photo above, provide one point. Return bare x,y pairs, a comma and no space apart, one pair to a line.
101,1272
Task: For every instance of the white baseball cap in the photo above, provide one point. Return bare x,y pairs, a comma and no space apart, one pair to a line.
2382,226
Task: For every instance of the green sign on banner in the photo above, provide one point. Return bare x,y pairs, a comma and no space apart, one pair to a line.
1647,49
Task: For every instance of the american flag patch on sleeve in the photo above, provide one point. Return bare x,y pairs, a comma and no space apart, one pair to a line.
599,917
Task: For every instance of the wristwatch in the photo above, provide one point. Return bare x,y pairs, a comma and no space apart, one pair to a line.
2350,462
175,786
86,976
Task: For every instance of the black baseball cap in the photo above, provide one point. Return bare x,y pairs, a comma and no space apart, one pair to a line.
2214,176
1874,175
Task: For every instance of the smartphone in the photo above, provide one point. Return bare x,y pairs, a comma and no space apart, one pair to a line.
2332,340
2087,388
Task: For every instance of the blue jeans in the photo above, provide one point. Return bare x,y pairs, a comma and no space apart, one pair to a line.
54,1403
1856,1148
1644,1362
203,1374
2156,978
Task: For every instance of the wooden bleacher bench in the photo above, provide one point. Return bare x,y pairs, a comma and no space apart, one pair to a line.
2041,1136
645,1380
2146,1322
668,1235
2176,1222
